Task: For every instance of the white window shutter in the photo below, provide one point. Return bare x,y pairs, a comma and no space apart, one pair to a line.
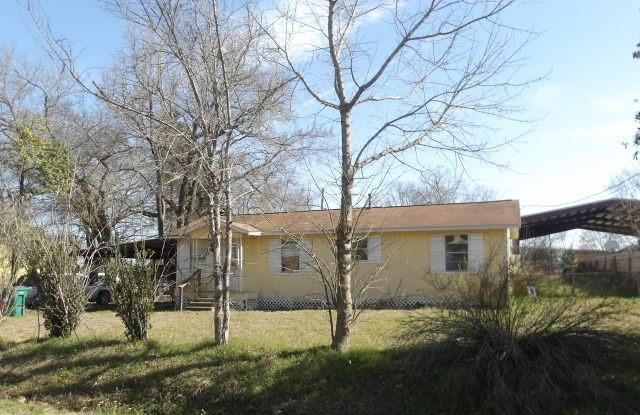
374,243
437,255
205,244
476,252
306,259
274,256
183,257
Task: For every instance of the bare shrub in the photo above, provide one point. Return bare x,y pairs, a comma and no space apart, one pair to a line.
525,356
522,275
134,290
11,228
52,262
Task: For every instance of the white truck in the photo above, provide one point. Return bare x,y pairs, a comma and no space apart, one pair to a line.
96,291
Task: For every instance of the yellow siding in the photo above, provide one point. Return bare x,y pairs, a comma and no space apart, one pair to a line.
5,268
405,255
5,265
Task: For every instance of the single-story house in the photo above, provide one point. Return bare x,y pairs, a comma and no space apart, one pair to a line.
404,247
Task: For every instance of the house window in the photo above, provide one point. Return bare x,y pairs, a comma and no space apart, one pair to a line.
456,252
203,252
199,253
289,256
360,249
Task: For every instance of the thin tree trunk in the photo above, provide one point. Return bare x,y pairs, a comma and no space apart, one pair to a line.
226,304
159,193
216,245
344,235
160,210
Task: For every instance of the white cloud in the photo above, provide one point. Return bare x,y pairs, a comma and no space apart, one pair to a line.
300,25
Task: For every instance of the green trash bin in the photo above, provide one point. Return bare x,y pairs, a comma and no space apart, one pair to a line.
19,301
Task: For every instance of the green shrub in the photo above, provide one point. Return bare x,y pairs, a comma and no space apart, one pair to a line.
134,290
52,262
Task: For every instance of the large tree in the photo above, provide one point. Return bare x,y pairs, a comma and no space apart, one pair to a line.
393,76
193,77
437,185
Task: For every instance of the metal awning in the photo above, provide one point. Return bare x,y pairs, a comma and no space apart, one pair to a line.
621,216
158,248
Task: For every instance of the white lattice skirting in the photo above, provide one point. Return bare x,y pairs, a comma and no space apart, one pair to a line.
275,303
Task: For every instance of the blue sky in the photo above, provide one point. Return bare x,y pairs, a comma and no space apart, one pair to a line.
585,104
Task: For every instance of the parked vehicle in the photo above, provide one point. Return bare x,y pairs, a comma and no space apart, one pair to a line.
97,291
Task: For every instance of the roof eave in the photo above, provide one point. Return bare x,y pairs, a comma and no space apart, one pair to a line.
411,229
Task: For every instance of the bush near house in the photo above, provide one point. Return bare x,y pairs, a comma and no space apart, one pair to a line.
134,291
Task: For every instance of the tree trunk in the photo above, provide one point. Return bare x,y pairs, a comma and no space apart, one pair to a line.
160,210
160,205
226,306
344,236
220,312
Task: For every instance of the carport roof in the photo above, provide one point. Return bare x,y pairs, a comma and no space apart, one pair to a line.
612,215
156,247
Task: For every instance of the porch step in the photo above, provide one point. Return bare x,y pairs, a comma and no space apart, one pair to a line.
198,308
201,304
206,303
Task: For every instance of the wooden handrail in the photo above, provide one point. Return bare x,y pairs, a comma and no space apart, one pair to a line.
185,282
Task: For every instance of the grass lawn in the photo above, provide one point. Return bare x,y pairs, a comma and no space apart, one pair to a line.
277,363
13,407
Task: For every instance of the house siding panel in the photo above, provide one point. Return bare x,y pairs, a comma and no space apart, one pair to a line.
406,256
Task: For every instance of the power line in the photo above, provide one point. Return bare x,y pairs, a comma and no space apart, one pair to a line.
614,186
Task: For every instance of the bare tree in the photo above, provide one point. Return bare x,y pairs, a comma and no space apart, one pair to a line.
395,76
213,97
31,97
12,232
545,252
437,186
43,116
143,93
276,189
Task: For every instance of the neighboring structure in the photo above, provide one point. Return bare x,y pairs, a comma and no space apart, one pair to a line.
628,262
413,246
618,216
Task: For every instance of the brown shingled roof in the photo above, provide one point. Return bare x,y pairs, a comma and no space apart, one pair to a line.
495,214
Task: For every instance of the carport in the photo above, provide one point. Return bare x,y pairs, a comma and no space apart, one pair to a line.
619,216
160,251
